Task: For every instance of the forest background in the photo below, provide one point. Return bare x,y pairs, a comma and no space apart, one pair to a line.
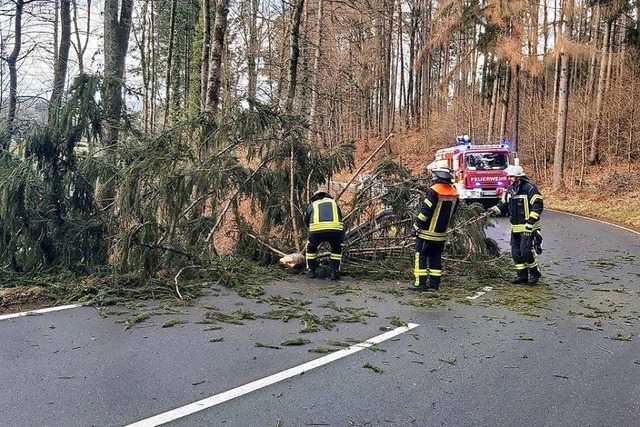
156,137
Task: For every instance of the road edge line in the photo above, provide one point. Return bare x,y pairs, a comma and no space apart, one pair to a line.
225,396
39,311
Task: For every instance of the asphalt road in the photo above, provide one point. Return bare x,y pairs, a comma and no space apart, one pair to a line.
575,364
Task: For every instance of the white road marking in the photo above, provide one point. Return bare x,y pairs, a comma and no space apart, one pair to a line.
480,293
40,311
264,382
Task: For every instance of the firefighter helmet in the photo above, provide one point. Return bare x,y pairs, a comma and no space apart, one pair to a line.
513,170
443,174
318,195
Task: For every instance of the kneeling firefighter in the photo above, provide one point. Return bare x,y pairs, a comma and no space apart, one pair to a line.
324,221
523,202
430,229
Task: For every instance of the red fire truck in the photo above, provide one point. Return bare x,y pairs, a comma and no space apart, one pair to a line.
478,170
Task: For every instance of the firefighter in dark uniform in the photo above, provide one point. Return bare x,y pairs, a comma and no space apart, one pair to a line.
523,202
324,221
430,229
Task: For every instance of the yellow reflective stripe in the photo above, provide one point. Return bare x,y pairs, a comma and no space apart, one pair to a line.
334,211
436,214
326,226
311,256
520,228
427,202
435,272
533,264
432,235
534,198
417,271
521,266
534,215
336,256
422,217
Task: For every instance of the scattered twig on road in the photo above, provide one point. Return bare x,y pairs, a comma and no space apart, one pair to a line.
604,349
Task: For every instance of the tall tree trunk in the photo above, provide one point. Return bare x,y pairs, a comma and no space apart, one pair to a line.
295,54
61,63
515,134
593,55
167,86
206,50
12,60
494,102
215,62
316,69
563,104
117,27
594,155
291,94
505,101
254,47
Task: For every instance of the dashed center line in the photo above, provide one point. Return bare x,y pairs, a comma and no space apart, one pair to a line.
264,382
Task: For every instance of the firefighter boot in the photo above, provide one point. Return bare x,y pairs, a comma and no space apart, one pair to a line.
434,283
334,264
421,285
312,266
534,275
521,278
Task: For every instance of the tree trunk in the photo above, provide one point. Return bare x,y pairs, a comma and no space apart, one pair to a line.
291,94
316,69
12,60
594,155
167,86
61,63
215,63
505,101
295,54
563,105
206,50
494,103
254,47
117,28
515,135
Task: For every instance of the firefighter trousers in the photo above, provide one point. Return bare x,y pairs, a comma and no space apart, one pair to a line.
334,239
427,267
522,254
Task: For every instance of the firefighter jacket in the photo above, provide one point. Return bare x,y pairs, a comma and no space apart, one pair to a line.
323,215
436,211
523,202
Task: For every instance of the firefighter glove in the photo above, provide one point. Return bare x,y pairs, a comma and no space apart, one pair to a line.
528,229
494,211
414,231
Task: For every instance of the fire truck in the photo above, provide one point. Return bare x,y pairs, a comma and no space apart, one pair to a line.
478,170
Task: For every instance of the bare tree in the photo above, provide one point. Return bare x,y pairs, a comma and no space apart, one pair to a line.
594,154
79,45
117,26
215,61
61,62
12,59
563,103
172,29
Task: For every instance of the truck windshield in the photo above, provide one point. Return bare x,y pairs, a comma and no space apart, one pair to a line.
486,161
